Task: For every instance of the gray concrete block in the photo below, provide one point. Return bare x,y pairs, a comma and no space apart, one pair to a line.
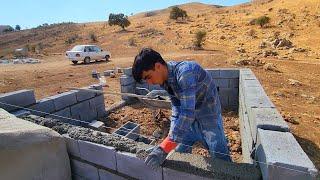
251,83
128,89
127,71
134,130
64,115
246,136
63,100
281,157
229,73
98,105
222,83
82,111
215,73
108,72
234,97
224,98
84,170
130,165
97,125
106,175
126,80
72,146
83,95
256,97
98,154
42,107
234,83
21,98
205,167
267,119
96,87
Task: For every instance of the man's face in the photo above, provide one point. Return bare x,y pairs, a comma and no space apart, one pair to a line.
155,76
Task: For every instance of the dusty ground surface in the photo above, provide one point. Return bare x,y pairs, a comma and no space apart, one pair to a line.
229,39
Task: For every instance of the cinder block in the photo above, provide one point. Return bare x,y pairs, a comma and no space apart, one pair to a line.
256,97
234,97
234,83
98,105
96,87
106,175
126,80
169,174
222,83
224,99
108,72
229,73
282,157
267,119
83,170
129,164
128,89
63,100
64,115
83,112
83,95
98,154
251,83
127,71
17,99
42,107
134,130
246,137
215,73
97,125
72,145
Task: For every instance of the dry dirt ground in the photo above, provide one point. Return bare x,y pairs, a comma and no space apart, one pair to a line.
229,38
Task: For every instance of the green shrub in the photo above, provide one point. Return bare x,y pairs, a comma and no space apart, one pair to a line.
72,39
176,13
262,20
119,20
200,38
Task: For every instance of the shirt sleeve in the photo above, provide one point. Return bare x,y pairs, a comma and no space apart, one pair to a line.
187,82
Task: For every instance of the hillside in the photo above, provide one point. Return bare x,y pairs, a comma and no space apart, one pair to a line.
290,42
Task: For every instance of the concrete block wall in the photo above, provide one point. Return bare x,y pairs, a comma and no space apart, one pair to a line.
79,105
266,137
96,161
128,84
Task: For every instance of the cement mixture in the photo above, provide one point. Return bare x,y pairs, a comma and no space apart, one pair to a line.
86,134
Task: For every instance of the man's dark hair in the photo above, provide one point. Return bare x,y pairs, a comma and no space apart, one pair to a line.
145,61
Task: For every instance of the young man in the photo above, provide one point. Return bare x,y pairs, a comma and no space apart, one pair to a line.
196,110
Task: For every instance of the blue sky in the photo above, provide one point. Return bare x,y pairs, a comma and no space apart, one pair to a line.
31,13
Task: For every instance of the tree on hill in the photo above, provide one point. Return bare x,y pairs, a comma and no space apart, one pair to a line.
119,20
18,28
262,20
176,13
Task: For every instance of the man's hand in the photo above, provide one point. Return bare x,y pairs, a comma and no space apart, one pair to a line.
156,157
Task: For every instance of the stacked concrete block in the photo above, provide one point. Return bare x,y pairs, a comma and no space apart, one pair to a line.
106,175
21,113
83,111
97,105
97,125
128,84
129,164
142,88
64,115
72,146
227,82
42,107
98,154
63,100
14,100
281,157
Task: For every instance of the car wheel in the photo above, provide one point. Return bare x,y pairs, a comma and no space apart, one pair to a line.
107,57
75,62
87,60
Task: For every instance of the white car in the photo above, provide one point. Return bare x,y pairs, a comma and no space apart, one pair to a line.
86,53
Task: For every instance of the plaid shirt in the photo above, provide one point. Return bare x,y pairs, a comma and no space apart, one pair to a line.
194,97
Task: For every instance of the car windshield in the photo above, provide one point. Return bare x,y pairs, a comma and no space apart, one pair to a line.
77,48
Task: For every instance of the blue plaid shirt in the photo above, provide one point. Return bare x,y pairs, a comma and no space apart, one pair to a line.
194,97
